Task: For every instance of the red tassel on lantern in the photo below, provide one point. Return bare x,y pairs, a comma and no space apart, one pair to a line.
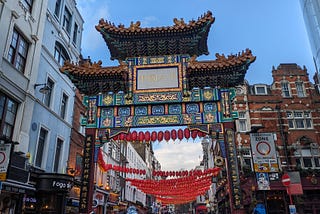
186,133
160,136
167,135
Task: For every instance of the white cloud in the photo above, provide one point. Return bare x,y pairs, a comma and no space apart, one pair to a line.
92,39
178,155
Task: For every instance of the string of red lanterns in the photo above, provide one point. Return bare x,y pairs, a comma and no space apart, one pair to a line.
160,135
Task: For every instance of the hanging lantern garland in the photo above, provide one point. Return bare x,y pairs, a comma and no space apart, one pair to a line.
160,135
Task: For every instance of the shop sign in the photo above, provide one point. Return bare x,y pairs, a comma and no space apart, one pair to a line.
99,198
4,160
264,152
61,185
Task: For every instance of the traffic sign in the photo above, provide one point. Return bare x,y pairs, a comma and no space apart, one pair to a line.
285,180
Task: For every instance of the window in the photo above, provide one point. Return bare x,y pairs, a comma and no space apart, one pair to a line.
246,158
260,89
242,121
300,89
57,155
308,156
18,51
47,97
82,127
41,143
57,8
299,120
60,54
285,89
64,103
8,112
75,34
67,20
28,4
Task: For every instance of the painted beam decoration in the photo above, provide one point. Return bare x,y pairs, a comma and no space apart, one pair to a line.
204,107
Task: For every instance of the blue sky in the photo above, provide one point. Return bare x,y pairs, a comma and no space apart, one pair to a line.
273,30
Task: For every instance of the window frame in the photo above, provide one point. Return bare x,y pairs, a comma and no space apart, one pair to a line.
7,127
64,105
299,119
285,89
41,146
58,152
67,18
300,89
242,120
57,9
256,87
28,4
75,33
16,56
60,53
48,96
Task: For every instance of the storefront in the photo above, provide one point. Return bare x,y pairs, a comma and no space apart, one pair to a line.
52,192
16,196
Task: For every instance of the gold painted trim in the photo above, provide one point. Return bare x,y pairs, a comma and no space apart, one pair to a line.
179,88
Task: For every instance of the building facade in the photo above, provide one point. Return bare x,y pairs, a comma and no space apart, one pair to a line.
288,112
22,26
37,101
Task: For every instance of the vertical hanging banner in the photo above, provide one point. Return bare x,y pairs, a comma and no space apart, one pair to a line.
264,152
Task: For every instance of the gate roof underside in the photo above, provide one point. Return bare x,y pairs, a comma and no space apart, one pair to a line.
92,78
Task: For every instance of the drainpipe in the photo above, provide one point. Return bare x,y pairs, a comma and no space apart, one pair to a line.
283,135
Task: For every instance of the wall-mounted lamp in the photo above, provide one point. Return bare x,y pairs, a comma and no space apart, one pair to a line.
44,90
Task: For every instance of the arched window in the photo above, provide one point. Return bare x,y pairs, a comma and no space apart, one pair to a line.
307,154
60,53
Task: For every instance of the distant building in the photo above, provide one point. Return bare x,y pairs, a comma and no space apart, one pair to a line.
311,14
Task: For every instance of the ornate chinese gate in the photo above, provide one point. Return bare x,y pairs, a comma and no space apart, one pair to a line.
159,82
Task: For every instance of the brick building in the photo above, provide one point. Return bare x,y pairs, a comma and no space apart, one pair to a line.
289,110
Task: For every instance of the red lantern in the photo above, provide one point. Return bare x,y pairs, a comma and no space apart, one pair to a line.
201,134
173,134
186,133
122,136
116,137
134,135
154,136
180,134
160,136
194,134
167,135
128,136
147,136
141,136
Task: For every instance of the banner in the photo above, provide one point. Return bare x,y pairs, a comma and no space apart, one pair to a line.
264,152
263,181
